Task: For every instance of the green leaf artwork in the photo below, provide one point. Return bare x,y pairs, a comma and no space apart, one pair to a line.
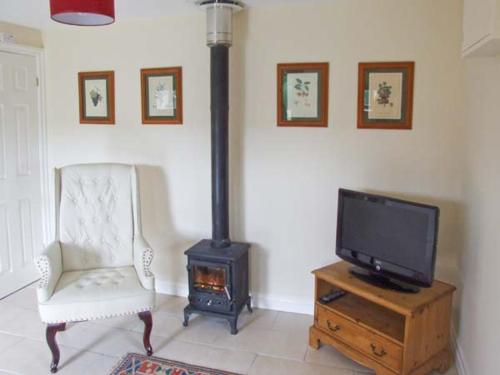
302,87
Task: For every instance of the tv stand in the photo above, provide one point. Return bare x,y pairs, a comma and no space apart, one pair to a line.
390,332
382,281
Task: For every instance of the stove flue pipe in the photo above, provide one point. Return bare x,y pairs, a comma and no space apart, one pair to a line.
219,90
219,39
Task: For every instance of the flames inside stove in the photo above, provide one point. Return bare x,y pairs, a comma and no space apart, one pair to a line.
210,279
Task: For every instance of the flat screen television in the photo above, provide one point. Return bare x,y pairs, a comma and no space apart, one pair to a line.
393,240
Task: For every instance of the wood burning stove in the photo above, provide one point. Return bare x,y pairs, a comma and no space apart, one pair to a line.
218,268
218,281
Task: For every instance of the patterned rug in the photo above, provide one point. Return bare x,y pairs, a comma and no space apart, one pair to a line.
138,364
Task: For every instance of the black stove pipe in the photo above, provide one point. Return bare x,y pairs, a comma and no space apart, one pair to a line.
219,95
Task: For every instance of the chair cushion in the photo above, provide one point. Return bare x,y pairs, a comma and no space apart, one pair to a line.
96,294
96,224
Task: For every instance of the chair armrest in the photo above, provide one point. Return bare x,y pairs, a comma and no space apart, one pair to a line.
49,264
143,256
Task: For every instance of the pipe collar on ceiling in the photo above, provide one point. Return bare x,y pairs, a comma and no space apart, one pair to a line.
220,20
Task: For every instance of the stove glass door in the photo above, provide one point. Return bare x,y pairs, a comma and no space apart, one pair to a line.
210,279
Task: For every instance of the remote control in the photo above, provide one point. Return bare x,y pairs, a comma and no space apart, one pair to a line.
332,296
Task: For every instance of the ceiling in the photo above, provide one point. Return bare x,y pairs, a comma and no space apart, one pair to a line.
35,13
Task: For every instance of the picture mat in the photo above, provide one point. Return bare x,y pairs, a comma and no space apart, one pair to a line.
393,109
97,108
301,107
161,96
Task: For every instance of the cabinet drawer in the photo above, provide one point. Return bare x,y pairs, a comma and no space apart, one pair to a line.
360,338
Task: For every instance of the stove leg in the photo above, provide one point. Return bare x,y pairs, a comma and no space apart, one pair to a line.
249,305
233,322
187,312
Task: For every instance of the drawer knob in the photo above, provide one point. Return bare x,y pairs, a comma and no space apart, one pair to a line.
380,353
331,327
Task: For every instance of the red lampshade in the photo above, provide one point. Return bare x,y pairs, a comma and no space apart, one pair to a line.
83,12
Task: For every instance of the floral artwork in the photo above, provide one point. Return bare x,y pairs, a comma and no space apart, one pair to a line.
303,94
302,87
385,95
302,91
161,95
96,106
96,97
161,92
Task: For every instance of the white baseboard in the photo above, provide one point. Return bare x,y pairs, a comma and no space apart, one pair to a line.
173,289
460,362
287,304
263,301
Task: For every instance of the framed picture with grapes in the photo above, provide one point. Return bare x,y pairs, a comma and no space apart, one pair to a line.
161,96
97,97
385,95
303,94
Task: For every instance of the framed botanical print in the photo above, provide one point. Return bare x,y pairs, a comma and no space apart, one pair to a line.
161,96
303,94
385,95
97,97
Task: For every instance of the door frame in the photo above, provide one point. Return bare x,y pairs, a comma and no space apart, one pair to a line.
39,55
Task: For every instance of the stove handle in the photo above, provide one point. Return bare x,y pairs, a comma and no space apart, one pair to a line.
227,293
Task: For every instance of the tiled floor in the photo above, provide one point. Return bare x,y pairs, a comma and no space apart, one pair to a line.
269,342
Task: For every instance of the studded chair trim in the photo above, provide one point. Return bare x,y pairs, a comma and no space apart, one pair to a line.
49,266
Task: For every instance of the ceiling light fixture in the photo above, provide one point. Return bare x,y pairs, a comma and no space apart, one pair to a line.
83,12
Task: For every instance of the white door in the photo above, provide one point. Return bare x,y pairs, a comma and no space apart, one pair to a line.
20,173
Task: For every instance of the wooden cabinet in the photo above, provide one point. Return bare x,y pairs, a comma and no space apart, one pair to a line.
387,331
481,28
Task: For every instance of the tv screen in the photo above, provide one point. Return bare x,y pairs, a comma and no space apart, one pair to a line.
388,236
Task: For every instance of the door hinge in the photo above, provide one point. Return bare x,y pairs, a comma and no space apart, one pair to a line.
37,82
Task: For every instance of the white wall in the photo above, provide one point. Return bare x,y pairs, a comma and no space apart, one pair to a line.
23,35
479,324
284,180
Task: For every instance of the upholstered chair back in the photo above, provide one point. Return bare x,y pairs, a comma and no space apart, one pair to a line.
96,215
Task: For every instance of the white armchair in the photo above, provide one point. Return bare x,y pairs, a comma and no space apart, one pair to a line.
99,265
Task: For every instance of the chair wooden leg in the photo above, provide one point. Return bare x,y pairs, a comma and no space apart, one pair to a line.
148,325
50,334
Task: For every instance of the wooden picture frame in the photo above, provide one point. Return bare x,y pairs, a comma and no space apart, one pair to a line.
162,104
303,94
96,91
385,95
